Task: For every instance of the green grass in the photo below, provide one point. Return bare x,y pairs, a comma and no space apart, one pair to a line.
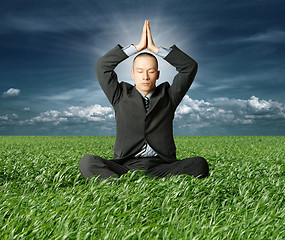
43,195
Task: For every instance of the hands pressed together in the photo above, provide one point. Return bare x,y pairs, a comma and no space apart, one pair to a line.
146,40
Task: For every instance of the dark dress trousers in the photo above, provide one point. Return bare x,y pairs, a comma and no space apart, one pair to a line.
135,126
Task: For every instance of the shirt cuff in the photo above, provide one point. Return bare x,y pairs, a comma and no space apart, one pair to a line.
130,50
163,52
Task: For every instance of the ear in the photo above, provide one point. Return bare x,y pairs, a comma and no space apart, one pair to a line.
133,75
158,74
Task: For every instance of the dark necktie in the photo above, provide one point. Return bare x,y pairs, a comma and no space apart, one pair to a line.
146,103
146,106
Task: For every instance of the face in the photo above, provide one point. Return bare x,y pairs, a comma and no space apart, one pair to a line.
145,73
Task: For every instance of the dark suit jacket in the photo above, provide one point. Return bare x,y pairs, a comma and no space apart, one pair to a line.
134,125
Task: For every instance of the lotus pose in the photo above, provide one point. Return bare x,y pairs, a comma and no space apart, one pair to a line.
144,113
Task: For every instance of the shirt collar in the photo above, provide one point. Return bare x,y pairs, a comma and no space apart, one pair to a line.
148,96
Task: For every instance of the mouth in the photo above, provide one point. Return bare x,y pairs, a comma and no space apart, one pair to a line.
145,84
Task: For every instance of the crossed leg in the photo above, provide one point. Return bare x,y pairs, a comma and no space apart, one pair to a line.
91,165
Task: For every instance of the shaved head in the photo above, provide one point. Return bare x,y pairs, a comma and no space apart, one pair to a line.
145,54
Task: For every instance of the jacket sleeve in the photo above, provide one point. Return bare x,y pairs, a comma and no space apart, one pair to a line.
106,75
187,69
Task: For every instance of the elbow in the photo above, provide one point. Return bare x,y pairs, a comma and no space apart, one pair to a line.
195,69
192,70
195,66
192,67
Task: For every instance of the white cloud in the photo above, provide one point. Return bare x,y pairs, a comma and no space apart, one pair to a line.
9,118
74,114
197,114
228,112
259,105
12,92
48,116
4,117
92,113
192,116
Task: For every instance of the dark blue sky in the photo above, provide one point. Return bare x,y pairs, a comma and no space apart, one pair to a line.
48,50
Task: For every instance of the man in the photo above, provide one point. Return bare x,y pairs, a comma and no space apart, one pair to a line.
144,113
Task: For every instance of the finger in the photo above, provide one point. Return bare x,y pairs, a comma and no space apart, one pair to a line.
144,37
149,33
144,25
148,27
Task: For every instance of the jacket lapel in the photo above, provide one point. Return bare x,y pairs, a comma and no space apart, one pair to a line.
154,99
137,98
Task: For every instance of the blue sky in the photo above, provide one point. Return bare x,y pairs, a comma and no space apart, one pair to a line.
48,50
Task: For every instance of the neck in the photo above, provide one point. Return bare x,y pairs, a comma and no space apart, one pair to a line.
145,93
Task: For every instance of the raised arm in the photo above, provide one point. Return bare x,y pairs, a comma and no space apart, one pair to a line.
185,66
106,75
106,64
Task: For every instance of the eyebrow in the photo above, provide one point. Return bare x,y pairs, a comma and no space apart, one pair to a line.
143,69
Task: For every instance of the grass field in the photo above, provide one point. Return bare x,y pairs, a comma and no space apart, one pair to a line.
43,196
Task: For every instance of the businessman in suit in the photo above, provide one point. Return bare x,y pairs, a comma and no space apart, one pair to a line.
144,113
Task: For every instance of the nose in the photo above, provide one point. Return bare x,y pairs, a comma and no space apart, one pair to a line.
145,76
